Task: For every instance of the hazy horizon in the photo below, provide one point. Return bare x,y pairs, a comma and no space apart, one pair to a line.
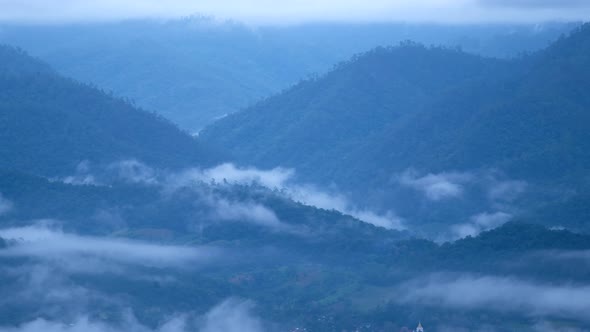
266,12
294,166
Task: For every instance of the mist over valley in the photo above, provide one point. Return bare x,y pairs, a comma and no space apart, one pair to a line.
308,167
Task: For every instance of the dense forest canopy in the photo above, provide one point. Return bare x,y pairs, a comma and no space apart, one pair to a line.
416,116
198,69
409,184
49,124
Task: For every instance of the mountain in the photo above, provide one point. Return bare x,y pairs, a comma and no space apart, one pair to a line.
195,70
50,124
246,214
435,111
338,274
113,219
531,124
358,101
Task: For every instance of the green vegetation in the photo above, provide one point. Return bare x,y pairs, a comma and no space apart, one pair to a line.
196,70
49,124
433,110
88,231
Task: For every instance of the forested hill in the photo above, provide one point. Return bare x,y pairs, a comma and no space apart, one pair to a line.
427,108
49,124
533,125
197,69
322,122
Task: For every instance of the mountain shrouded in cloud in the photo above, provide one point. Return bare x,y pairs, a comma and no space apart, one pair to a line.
432,184
363,102
431,109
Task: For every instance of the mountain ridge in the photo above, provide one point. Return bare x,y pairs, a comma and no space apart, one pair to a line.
525,117
49,124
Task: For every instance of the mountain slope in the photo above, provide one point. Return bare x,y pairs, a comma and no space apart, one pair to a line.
49,124
323,122
195,70
533,125
435,111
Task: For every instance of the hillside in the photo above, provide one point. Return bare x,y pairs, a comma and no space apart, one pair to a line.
432,110
359,101
49,124
416,183
533,125
195,70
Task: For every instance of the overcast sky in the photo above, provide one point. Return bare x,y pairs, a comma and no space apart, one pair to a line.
295,11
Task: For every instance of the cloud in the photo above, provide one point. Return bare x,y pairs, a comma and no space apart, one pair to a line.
274,178
45,287
89,253
283,180
5,205
249,212
280,179
133,171
388,220
506,191
296,11
44,282
129,171
38,325
80,180
447,185
436,187
82,176
480,223
486,189
501,295
232,315
84,324
312,196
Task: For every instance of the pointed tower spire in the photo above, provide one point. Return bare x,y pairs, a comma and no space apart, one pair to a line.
419,328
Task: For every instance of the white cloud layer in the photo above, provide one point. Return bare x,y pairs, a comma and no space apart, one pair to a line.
506,191
436,187
38,325
134,171
274,178
480,223
294,11
92,253
283,179
5,205
251,212
232,315
503,295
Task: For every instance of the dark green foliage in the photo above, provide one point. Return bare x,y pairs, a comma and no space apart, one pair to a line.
430,109
105,209
311,278
410,106
519,237
386,110
49,124
195,70
296,278
359,102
